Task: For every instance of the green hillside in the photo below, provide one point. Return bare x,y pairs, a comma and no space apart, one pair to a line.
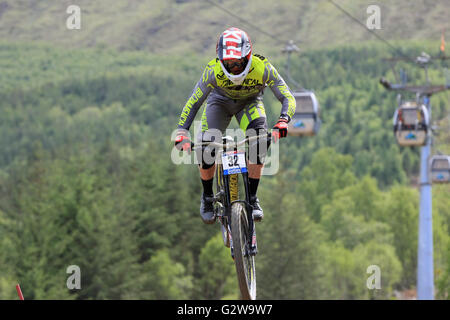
180,26
86,179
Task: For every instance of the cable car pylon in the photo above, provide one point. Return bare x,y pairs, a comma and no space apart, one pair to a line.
415,114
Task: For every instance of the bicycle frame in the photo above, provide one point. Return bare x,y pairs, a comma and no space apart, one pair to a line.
230,187
229,184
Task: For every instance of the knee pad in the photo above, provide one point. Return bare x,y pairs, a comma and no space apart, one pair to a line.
206,157
257,150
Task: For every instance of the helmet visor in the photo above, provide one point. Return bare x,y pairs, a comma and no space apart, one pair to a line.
235,66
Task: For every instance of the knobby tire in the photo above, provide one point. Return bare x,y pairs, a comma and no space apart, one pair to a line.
244,262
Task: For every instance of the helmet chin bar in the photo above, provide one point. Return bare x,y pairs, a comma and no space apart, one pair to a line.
237,79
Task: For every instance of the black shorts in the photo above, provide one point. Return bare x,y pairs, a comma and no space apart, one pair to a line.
216,117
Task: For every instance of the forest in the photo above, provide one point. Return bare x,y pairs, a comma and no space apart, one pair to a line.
86,179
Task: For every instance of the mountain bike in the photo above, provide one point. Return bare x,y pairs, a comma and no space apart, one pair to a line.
235,215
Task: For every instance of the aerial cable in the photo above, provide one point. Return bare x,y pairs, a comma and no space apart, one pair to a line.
371,31
245,21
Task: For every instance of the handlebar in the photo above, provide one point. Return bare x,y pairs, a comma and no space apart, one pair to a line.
232,144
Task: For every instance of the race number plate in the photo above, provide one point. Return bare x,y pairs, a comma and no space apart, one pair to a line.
233,162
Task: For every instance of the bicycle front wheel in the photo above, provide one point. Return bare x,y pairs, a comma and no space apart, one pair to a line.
244,261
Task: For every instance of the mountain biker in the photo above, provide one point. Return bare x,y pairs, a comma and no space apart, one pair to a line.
234,83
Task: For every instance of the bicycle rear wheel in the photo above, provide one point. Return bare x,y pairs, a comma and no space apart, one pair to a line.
245,263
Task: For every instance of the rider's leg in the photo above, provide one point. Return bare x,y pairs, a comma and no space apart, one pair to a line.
256,161
254,170
207,174
215,119
254,174
252,120
207,177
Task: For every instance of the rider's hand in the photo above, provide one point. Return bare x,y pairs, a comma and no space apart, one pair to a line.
280,130
182,142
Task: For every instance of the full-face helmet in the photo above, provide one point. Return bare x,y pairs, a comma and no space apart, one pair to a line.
234,50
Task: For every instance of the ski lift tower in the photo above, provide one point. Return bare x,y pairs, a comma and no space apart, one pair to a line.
425,268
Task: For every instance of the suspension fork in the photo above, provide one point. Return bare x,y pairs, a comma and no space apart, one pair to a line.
249,210
226,196
231,188
231,192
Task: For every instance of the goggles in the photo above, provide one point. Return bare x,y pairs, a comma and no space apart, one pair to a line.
235,66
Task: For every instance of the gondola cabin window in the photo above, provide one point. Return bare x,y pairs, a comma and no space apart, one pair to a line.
305,121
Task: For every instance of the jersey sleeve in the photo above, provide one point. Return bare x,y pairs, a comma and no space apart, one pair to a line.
201,91
280,90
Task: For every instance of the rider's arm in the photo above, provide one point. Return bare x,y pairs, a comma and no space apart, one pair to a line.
201,90
280,90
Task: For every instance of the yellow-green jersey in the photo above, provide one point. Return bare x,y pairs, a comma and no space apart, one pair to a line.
213,81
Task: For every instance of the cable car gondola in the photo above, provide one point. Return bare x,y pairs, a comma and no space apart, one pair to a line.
411,124
440,169
305,121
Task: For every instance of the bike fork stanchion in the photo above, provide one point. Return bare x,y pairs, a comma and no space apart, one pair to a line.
251,224
227,209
